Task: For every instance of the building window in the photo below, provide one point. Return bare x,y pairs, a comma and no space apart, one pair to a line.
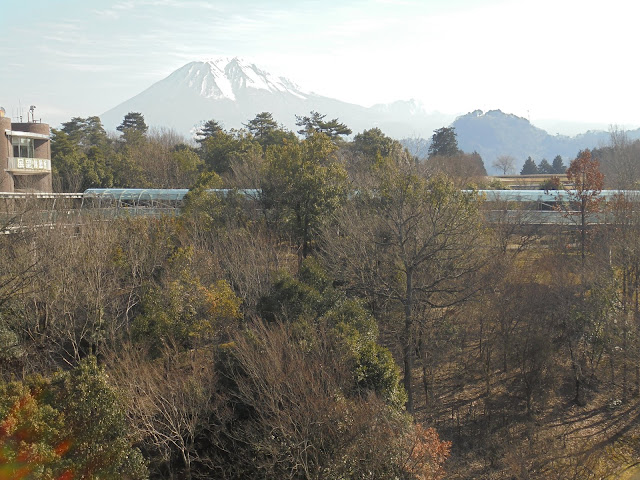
23,147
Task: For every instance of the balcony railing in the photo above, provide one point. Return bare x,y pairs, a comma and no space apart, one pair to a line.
25,166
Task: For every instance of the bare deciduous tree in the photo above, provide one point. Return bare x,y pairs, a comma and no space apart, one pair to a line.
413,243
169,400
505,163
293,418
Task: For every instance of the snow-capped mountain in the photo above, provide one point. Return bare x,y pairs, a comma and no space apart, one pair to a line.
225,78
232,91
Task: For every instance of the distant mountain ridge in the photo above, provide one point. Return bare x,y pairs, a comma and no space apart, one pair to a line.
494,133
233,91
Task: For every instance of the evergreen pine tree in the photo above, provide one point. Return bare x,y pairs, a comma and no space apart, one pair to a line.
444,142
135,121
208,129
558,165
262,125
133,128
267,131
316,123
529,167
545,167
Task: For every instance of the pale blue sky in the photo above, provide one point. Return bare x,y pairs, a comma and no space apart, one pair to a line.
571,60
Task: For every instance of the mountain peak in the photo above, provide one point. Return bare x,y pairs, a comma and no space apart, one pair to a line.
221,78
232,90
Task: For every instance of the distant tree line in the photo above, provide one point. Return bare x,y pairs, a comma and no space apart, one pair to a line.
84,155
619,160
544,167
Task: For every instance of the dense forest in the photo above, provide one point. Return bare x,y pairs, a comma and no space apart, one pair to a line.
359,317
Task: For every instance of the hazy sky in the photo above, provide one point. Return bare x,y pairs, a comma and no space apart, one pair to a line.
573,60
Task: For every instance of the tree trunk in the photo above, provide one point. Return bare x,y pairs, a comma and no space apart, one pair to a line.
583,232
408,343
425,385
625,312
635,323
625,346
487,373
187,464
425,371
577,374
408,368
305,239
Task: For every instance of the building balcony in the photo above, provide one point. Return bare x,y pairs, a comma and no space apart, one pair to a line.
28,166
18,133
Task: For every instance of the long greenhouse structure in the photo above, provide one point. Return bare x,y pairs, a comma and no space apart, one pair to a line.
536,207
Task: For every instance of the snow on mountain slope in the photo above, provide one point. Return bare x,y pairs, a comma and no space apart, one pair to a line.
233,91
224,77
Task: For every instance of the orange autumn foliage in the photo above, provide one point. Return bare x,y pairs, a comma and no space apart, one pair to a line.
427,454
